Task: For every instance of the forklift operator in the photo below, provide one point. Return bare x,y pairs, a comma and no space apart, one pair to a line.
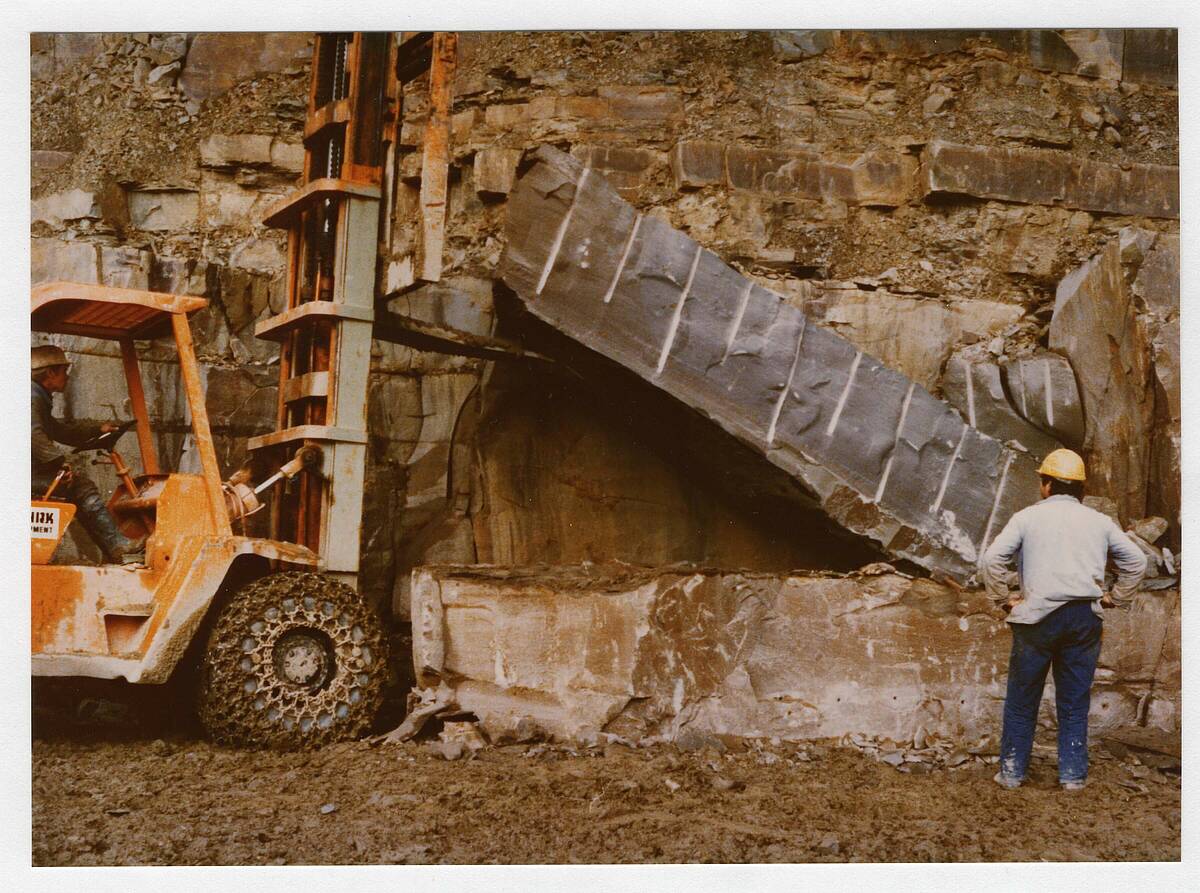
49,368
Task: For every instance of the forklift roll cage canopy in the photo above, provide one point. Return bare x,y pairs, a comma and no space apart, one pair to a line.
98,311
125,315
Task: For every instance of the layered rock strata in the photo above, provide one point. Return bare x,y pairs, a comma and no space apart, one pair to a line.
642,654
884,457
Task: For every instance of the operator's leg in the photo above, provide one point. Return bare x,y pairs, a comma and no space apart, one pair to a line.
1074,669
95,517
1027,665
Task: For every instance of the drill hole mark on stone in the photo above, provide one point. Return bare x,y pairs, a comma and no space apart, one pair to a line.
1049,388
969,370
841,404
612,286
987,533
562,232
1024,401
937,504
887,469
787,387
736,325
678,314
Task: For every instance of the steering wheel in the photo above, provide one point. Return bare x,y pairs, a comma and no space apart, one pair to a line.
105,442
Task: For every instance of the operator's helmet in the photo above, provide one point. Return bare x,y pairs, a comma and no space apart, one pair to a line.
1063,465
46,356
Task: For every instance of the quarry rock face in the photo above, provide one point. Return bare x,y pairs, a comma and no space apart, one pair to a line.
798,157
885,459
644,654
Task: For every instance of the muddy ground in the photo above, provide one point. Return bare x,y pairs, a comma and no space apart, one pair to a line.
113,788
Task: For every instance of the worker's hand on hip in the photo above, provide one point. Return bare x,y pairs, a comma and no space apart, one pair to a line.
1106,601
1013,601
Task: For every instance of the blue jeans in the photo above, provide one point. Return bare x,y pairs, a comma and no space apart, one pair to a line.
1068,639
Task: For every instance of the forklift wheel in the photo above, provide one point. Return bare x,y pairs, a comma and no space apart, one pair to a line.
294,660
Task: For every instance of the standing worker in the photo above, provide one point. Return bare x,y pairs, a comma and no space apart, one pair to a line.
49,369
1062,547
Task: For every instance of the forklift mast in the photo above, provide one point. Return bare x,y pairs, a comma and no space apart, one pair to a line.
333,221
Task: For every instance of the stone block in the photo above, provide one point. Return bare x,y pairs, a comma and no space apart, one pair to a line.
636,291
53,260
287,156
643,104
1096,327
1151,56
1091,52
624,167
60,207
978,393
228,150
1045,394
48,159
164,210
72,48
218,60
224,203
124,267
665,653
698,163
880,178
496,170
1047,177
795,46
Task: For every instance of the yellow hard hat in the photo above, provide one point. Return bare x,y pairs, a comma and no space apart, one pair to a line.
1064,465
46,356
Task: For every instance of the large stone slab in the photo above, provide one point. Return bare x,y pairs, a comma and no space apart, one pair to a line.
1050,177
637,291
651,654
1096,326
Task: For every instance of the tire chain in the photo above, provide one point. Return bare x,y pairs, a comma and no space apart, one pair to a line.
243,700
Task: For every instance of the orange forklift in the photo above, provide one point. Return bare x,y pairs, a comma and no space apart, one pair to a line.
291,657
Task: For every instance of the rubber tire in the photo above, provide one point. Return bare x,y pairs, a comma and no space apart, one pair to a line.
244,700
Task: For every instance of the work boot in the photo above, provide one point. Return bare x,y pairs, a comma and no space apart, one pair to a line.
133,553
93,514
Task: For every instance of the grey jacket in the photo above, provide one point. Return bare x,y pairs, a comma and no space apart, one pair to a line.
1061,547
47,431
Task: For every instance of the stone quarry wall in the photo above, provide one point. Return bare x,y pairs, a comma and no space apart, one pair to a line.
968,207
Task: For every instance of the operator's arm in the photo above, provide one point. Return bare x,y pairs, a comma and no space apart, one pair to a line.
45,453
1131,566
71,433
995,561
47,428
